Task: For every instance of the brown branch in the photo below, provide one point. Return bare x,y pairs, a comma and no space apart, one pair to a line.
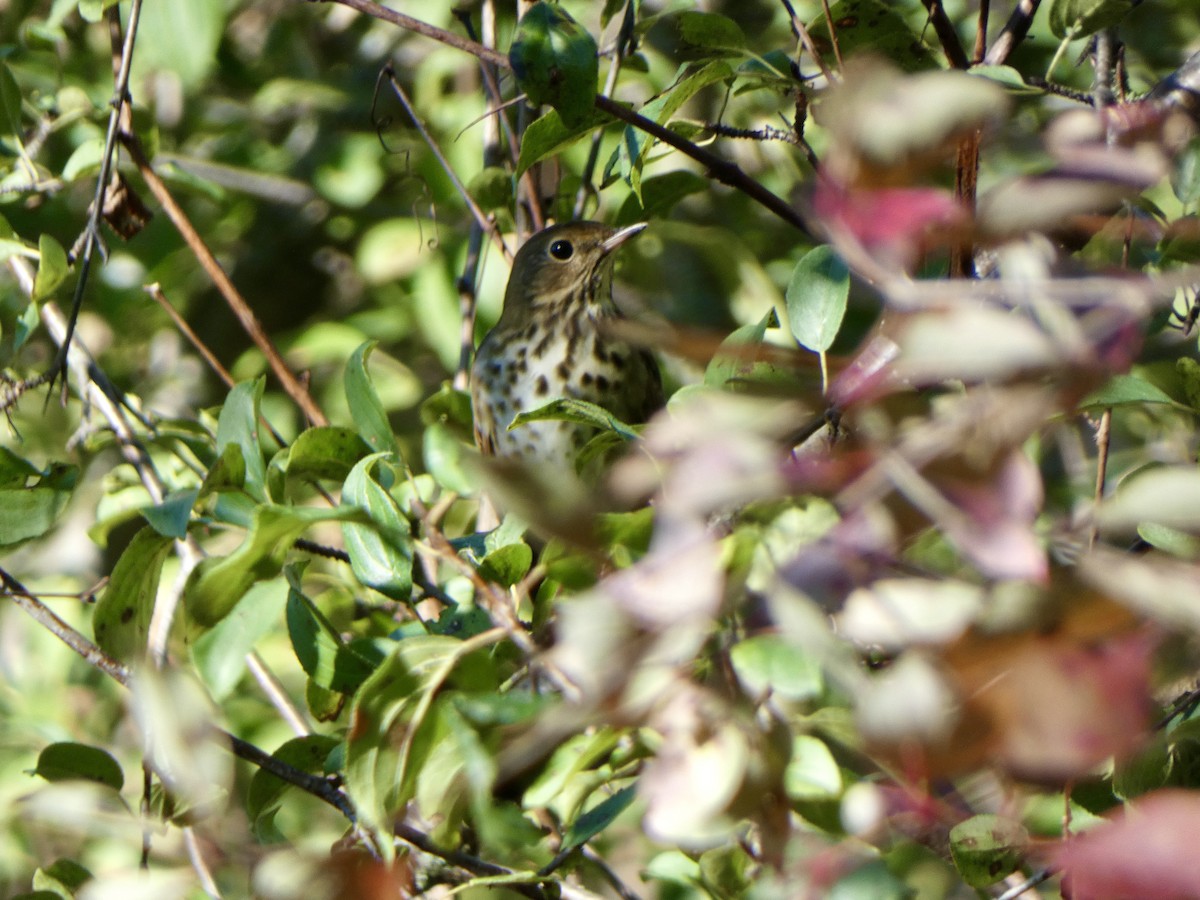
237,303
724,171
1014,32
947,35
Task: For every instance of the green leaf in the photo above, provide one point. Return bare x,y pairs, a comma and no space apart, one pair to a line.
987,848
1189,374
170,518
549,136
1170,540
555,61
766,663
69,761
1007,77
1122,390
31,504
238,424
85,160
377,773
380,549
220,653
444,453
219,582
328,660
599,817
812,773
816,298
266,792
506,565
181,36
52,267
327,452
581,412
727,367
61,879
365,408
121,622
873,27
93,10
1080,18
710,31
10,102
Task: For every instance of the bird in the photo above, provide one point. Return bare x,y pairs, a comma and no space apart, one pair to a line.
551,342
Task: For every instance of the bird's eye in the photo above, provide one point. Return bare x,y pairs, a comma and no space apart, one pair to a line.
562,250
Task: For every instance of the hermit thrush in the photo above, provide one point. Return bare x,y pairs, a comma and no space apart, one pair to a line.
551,342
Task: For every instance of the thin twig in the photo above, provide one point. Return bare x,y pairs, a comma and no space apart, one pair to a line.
981,31
237,303
800,30
947,35
721,169
481,218
1014,32
120,95
1031,882
621,48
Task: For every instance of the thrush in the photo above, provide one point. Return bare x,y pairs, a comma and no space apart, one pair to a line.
550,342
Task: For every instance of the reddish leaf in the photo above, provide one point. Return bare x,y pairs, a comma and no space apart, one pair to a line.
1148,851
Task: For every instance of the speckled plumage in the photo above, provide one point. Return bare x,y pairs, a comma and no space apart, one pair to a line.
549,343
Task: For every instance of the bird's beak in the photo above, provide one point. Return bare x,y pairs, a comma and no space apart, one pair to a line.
621,235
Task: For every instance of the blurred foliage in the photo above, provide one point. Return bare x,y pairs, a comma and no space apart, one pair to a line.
847,620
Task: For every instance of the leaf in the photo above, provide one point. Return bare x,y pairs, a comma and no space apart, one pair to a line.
121,622
62,879
872,27
10,102
767,664
549,136
220,653
380,548
181,36
238,424
599,817
1166,495
1079,18
365,408
266,792
444,452
816,298
326,452
68,761
328,660
710,31
506,565
219,582
727,367
555,61
581,412
1122,390
377,774
1185,176
987,848
52,267
29,510
170,518
812,773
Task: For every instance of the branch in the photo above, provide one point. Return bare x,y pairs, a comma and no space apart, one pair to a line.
947,35
721,169
92,233
1014,32
237,303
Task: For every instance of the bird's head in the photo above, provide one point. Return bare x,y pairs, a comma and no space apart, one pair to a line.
563,265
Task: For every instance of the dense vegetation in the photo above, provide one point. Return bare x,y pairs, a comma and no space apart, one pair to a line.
899,596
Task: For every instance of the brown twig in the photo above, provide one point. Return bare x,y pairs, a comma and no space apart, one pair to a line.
237,303
1014,32
92,233
947,35
981,31
724,171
